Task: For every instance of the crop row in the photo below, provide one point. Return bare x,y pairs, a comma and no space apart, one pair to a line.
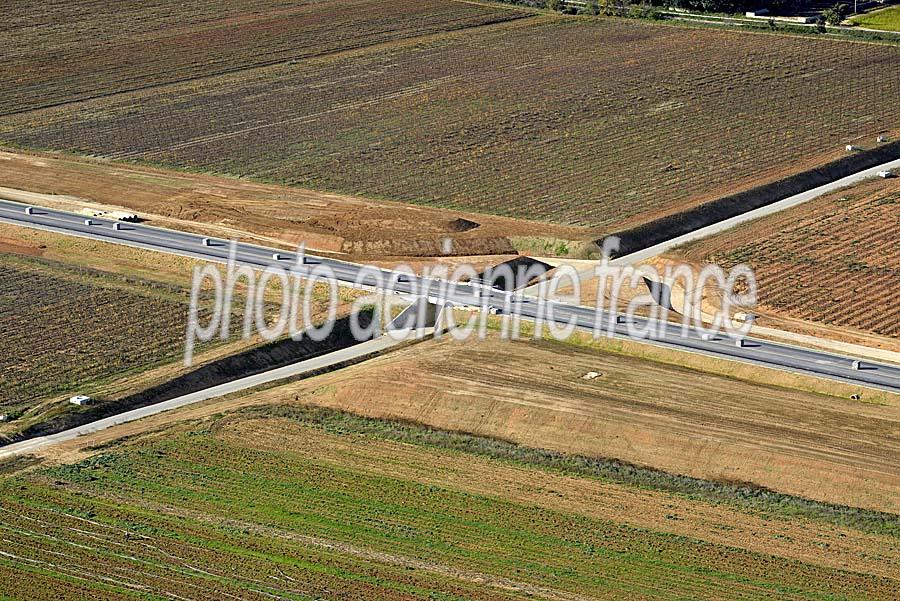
265,507
125,549
61,332
837,262
61,52
301,491
585,123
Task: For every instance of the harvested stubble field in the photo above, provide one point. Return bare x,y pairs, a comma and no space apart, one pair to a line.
834,260
57,52
645,412
601,123
291,503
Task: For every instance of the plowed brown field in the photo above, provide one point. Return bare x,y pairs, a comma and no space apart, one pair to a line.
58,52
834,260
600,123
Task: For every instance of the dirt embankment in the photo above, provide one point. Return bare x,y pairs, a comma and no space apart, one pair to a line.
270,214
218,371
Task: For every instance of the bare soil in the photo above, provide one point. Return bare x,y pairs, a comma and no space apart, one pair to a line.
335,223
829,267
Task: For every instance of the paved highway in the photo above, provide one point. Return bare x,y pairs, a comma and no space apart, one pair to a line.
770,354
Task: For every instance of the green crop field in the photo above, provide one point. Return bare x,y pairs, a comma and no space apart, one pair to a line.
603,123
312,506
887,19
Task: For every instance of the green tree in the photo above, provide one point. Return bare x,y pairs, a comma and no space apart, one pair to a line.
835,14
591,7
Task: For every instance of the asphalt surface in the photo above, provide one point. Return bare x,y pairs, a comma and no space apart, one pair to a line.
296,369
769,354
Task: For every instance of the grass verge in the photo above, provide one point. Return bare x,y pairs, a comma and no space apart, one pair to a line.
742,495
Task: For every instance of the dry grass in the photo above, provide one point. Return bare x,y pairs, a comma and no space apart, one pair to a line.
92,254
664,416
670,417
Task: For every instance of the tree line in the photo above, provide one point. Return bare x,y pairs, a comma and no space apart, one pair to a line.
647,8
